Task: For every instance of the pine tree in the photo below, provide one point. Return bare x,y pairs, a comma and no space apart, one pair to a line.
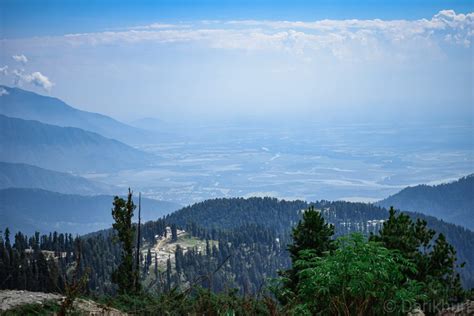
174,232
7,239
156,265
148,259
138,252
312,233
178,255
435,260
124,275
168,274
3,264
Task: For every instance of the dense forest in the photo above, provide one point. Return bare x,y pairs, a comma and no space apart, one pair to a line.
244,245
451,202
36,263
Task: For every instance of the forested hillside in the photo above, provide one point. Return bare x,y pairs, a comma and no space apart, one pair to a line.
245,242
278,216
219,244
452,202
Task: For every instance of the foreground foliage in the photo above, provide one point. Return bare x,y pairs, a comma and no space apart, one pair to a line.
434,258
400,269
198,302
312,233
359,278
254,232
403,264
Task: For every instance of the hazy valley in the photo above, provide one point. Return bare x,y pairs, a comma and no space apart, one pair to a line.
209,158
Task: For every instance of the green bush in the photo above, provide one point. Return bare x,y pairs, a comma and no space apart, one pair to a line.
359,278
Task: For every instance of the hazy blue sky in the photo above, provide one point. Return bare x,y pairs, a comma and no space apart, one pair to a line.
228,59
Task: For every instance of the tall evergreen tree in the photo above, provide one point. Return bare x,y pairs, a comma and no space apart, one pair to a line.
156,265
435,259
312,233
168,274
7,238
138,253
174,232
124,276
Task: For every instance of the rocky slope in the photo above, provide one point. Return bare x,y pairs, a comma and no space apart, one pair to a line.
11,300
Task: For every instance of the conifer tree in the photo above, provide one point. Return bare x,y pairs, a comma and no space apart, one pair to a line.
7,238
148,259
156,265
174,232
122,213
312,233
168,274
435,259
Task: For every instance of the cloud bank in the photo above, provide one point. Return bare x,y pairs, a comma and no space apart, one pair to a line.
325,68
366,38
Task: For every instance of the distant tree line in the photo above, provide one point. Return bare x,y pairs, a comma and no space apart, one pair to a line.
35,263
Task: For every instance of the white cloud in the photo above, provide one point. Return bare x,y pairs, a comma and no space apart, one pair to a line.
20,58
348,40
3,91
35,78
4,70
441,21
344,39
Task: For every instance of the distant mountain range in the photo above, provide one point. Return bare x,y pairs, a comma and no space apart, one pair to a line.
28,105
452,202
18,175
30,210
43,141
64,148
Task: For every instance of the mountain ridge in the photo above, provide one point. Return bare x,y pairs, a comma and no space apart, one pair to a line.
64,148
452,202
20,175
29,210
24,104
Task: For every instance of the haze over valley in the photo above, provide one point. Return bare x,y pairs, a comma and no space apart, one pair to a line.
290,160
236,158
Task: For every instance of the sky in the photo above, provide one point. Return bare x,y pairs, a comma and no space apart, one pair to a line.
214,60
